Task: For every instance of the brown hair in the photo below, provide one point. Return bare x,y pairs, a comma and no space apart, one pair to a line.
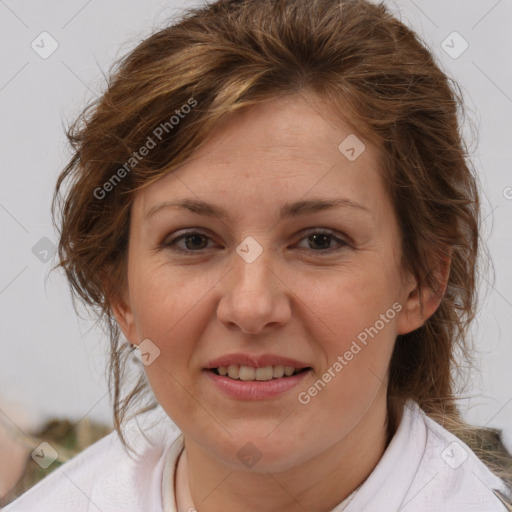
230,55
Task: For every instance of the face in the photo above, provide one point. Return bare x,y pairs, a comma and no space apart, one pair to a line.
277,280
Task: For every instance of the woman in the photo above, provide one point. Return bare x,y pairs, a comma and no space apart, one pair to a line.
304,350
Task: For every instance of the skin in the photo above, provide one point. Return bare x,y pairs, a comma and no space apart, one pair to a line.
300,298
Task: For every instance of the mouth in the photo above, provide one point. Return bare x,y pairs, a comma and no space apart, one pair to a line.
265,373
249,377
248,383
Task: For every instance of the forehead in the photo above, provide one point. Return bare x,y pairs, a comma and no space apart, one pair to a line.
283,150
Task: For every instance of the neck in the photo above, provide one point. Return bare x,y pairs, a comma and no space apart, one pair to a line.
318,484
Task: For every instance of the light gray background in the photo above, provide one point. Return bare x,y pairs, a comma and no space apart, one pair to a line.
52,363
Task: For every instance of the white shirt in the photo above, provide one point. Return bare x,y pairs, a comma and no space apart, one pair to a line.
425,468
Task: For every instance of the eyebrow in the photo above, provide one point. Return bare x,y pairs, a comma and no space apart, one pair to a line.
288,210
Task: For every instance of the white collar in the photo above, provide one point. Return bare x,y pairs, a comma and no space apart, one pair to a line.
409,434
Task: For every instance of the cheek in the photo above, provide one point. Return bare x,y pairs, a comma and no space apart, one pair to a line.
173,309
346,303
356,330
165,300
356,341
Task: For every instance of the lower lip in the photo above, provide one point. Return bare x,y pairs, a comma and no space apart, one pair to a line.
255,389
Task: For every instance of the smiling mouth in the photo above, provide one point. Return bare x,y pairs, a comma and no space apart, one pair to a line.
265,373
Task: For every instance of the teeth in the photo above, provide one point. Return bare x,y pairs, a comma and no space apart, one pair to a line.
278,372
265,373
233,371
248,373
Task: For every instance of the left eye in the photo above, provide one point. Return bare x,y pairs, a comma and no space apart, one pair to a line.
319,241
323,239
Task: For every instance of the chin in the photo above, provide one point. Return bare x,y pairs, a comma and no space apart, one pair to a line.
259,453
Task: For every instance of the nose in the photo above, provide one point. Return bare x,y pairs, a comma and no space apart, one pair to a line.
254,296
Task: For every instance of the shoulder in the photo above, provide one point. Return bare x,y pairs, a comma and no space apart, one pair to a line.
450,476
426,468
106,476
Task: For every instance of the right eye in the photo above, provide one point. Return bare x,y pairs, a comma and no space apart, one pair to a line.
193,242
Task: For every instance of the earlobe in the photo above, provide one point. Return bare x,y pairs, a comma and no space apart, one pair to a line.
124,317
423,300
120,306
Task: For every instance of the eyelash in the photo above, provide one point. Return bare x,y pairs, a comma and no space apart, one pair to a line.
317,231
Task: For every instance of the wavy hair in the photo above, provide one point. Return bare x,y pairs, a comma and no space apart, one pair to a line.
230,55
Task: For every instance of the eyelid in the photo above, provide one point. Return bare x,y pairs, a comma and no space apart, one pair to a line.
169,241
341,238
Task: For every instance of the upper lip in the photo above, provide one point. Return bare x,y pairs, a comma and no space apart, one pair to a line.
255,361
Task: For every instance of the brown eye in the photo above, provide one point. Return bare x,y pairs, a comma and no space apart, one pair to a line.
195,241
191,242
321,241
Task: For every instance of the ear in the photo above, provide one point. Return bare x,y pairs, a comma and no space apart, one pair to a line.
117,294
422,300
121,308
